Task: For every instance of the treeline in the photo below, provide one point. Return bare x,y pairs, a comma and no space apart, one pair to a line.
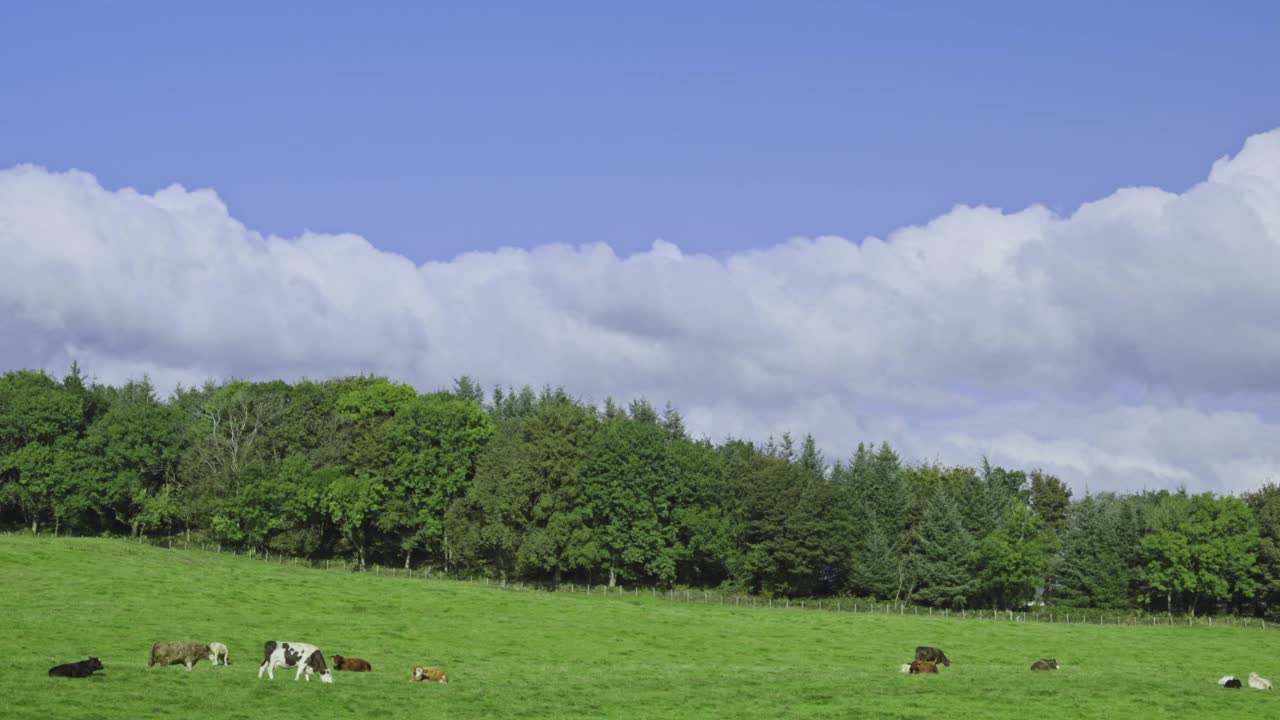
541,486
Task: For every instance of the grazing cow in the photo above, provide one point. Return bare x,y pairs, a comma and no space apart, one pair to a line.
178,653
351,664
1257,682
1232,683
429,674
84,668
922,666
1045,664
306,658
904,667
218,652
933,655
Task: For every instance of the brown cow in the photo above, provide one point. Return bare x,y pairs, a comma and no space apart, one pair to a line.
933,655
429,674
1045,664
178,653
923,666
351,664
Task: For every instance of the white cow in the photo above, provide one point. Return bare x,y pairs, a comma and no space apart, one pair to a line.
1257,682
218,652
306,658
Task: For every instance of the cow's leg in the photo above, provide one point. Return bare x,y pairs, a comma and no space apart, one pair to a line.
261,667
299,674
188,663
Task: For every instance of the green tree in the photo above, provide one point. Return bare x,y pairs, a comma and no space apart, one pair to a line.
941,552
1200,548
1009,562
1099,557
1265,504
40,419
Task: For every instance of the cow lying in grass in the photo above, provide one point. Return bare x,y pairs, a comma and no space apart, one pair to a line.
429,674
347,664
218,652
920,666
933,655
84,668
306,658
1257,682
1045,664
178,653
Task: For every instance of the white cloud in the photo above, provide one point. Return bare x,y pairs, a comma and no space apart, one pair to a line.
1121,346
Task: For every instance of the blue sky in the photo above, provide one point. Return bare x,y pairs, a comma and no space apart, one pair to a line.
1045,234
433,129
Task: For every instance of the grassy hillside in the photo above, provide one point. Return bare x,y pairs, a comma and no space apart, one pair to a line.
526,655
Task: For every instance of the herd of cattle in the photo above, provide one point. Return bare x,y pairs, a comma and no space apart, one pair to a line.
307,660
304,658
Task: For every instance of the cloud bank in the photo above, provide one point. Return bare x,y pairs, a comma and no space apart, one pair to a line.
1131,344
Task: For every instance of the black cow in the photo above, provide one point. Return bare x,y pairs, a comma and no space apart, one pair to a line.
84,668
1232,683
933,655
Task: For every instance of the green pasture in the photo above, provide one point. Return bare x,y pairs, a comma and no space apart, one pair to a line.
543,655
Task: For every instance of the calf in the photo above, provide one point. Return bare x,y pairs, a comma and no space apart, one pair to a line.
178,653
922,666
306,658
933,655
1232,683
351,664
1045,664
84,668
429,674
1257,682
218,652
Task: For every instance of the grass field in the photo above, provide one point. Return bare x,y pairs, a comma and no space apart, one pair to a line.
535,655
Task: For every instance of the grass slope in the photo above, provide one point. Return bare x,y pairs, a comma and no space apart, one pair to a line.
534,655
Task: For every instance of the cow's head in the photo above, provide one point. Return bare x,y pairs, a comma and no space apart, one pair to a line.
95,663
315,663
337,662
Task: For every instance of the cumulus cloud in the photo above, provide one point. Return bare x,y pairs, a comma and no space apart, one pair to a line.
1129,344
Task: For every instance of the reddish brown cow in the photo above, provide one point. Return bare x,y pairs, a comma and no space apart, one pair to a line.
351,664
922,666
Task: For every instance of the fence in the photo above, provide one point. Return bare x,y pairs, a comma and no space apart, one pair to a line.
742,600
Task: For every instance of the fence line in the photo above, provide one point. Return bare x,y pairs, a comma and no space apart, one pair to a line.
852,605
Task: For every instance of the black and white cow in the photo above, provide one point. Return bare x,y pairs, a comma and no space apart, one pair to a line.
306,658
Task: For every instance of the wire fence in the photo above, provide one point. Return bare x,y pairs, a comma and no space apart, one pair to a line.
1068,616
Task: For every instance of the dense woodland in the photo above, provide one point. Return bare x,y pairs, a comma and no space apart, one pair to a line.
541,486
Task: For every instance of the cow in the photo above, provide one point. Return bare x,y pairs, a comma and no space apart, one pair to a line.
178,653
306,658
1232,683
429,674
1257,682
1045,664
218,652
923,666
351,664
84,668
904,667
933,655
